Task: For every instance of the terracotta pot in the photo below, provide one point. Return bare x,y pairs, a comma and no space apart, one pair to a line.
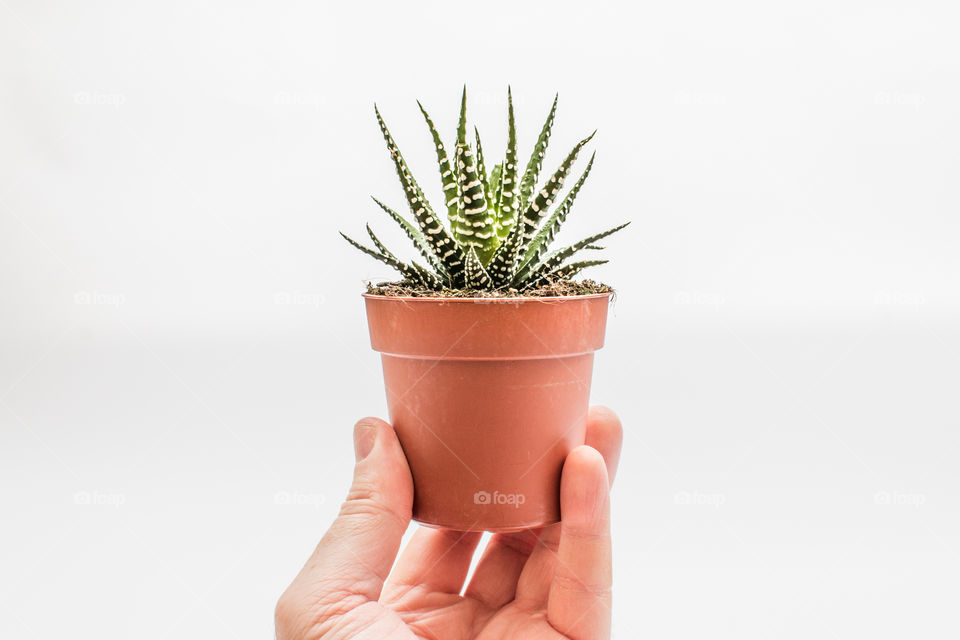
487,398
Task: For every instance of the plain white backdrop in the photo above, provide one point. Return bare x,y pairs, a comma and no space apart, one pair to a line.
184,351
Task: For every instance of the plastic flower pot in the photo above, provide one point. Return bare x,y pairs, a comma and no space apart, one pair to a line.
487,396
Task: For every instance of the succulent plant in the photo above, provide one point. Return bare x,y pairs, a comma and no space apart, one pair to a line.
495,238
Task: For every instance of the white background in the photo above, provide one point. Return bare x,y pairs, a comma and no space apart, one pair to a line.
184,351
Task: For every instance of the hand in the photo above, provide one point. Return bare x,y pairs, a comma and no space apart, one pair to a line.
550,583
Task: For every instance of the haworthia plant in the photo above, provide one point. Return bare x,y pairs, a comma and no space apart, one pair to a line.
495,238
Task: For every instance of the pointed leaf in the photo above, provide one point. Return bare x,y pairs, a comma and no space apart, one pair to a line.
532,171
475,229
509,198
429,278
565,272
538,245
425,275
493,193
503,264
406,270
379,245
441,243
481,167
418,239
462,122
555,259
447,176
545,197
477,277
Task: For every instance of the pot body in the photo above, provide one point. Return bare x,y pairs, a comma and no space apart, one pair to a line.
487,398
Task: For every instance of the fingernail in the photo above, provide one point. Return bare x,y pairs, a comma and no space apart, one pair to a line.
364,437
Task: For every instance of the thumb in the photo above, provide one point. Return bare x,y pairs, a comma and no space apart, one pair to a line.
355,555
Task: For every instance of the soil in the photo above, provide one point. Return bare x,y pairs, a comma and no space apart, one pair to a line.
551,290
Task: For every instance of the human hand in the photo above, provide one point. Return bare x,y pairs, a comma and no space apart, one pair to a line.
549,583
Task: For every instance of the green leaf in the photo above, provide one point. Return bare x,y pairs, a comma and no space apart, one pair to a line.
545,236
418,239
457,221
544,198
379,245
429,278
481,167
555,259
441,243
502,265
425,276
475,229
477,276
406,270
462,121
489,192
565,272
493,194
509,198
447,176
532,171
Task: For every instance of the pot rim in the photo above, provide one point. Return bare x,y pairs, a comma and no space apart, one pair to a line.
475,300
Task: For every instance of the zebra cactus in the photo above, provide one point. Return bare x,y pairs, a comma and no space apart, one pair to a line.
495,238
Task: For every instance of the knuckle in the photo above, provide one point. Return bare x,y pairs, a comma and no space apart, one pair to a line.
522,543
364,503
601,589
